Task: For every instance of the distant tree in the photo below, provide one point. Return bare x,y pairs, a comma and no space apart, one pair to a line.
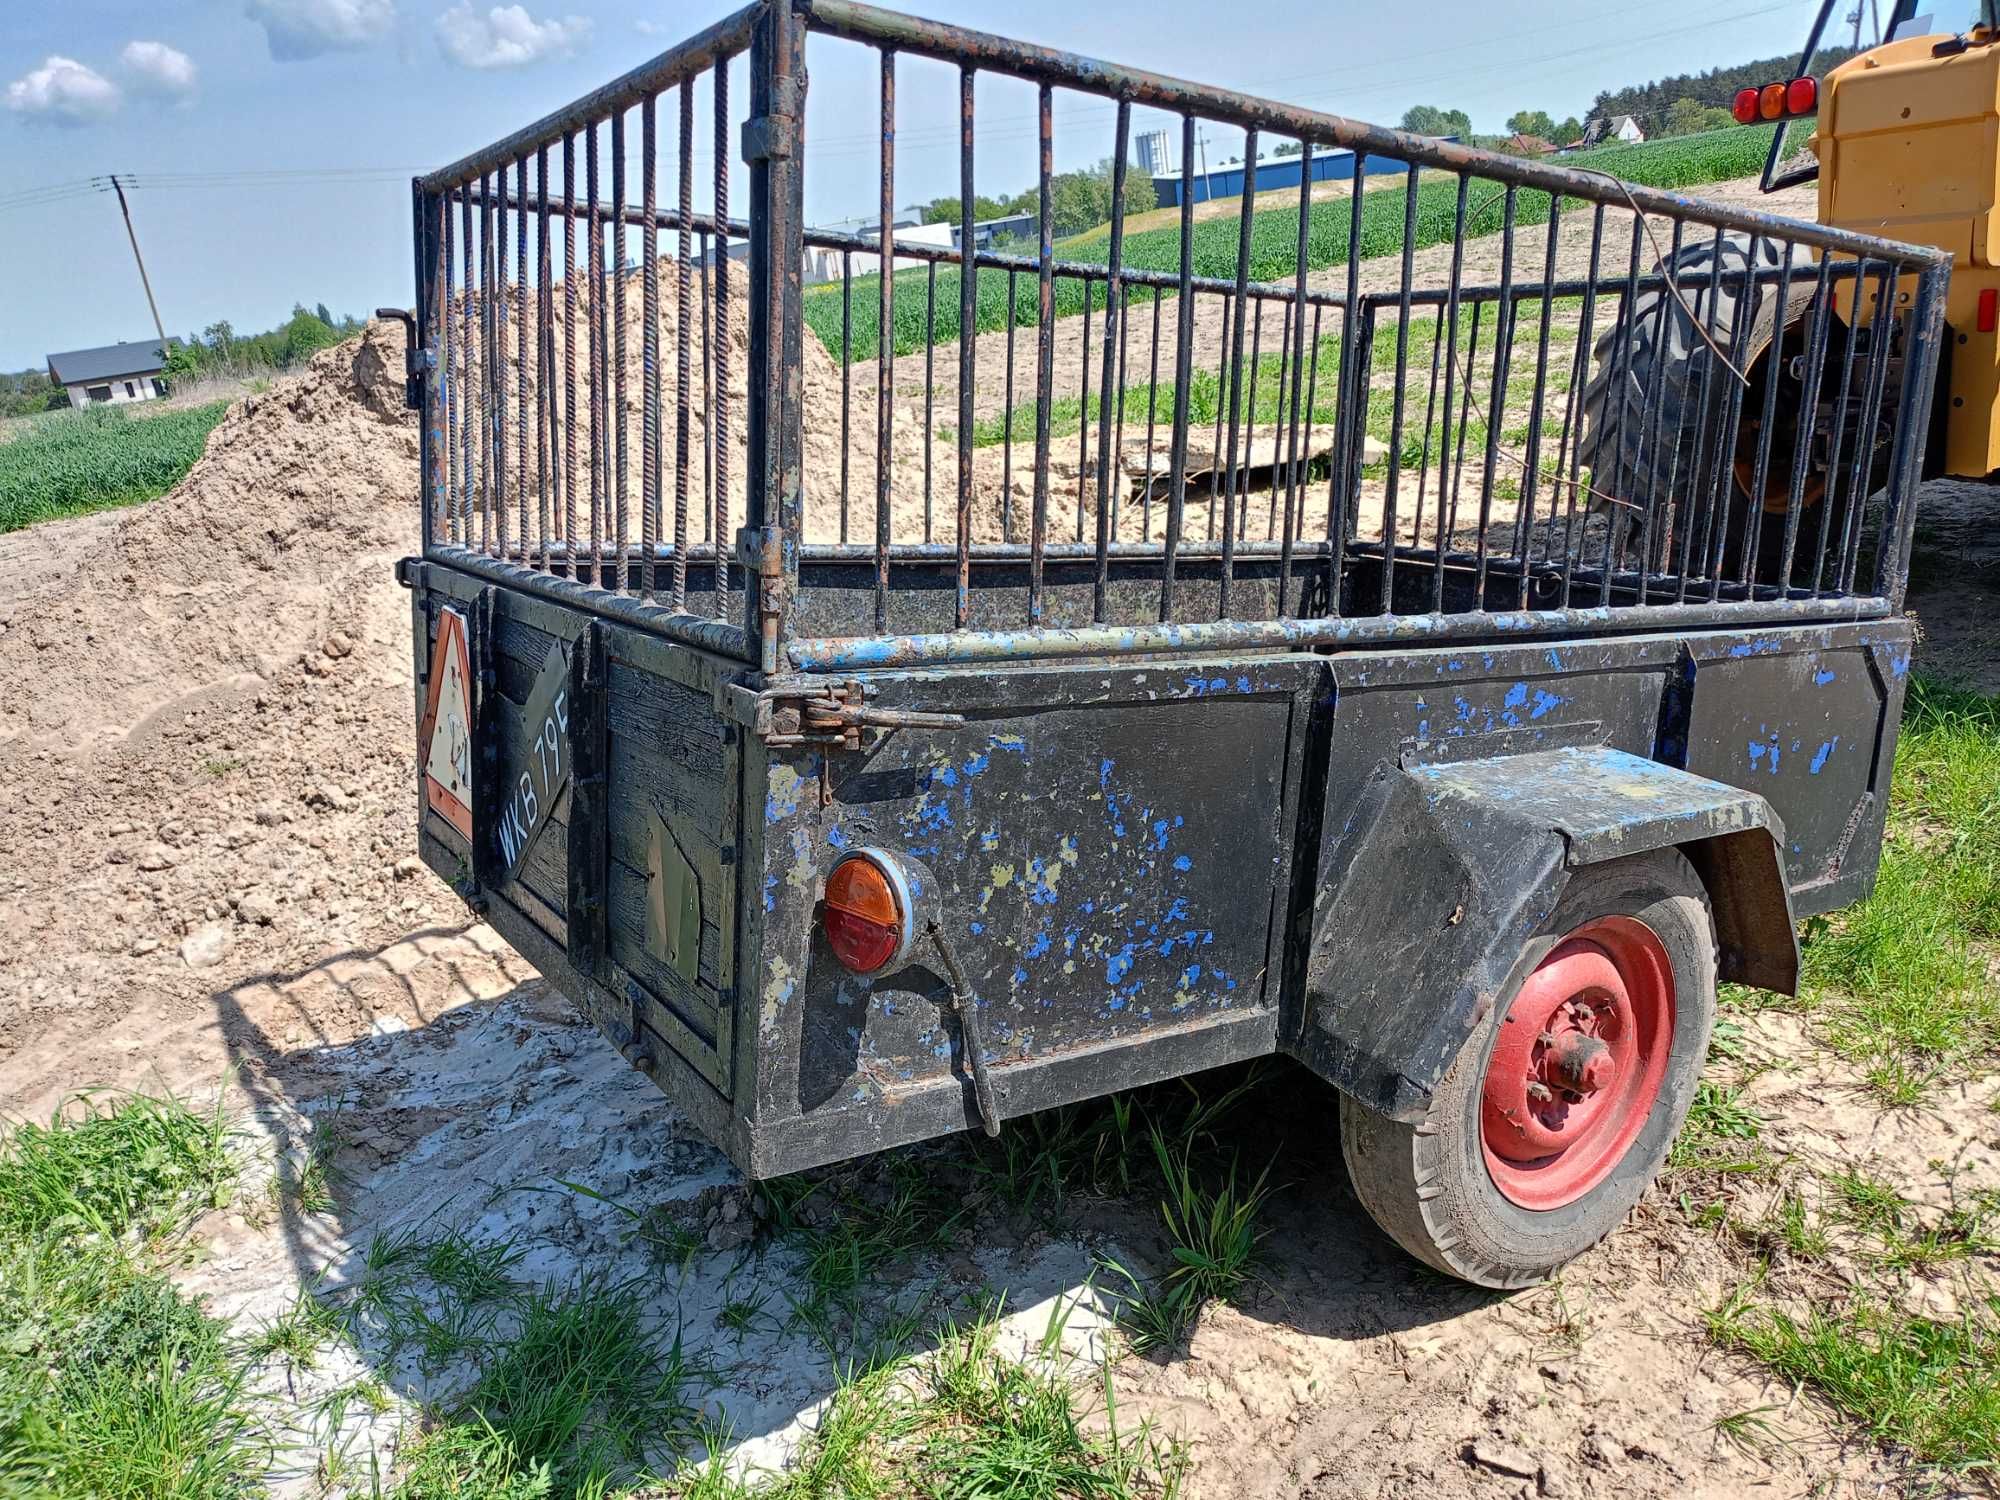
946,210
325,316
1287,148
1691,116
1428,119
1571,129
184,363
1532,122
305,335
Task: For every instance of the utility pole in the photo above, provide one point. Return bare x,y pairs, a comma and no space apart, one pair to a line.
1201,139
133,235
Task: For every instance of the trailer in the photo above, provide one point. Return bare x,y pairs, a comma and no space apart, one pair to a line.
882,733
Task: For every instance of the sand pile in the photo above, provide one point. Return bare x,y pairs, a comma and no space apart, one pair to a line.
274,541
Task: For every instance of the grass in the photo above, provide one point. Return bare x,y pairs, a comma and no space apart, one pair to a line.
1900,982
113,1384
1683,161
1927,1386
71,463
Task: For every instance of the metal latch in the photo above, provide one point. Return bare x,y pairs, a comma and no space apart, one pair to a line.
821,713
418,361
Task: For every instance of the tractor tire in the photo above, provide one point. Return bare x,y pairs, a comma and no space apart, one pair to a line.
1613,1004
1645,409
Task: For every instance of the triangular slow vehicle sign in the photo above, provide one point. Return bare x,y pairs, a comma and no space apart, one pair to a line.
446,737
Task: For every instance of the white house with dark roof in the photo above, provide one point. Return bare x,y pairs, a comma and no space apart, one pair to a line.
112,375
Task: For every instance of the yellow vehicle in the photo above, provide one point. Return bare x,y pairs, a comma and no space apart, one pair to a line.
1905,144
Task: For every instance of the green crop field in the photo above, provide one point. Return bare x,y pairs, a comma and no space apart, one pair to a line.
1683,161
71,462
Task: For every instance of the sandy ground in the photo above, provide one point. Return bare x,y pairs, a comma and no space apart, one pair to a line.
206,876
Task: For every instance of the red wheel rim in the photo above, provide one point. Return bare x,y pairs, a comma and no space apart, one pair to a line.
1578,1064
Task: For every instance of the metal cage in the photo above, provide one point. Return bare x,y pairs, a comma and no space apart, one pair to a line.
1442,432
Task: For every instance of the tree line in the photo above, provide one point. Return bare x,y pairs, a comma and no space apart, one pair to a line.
1077,201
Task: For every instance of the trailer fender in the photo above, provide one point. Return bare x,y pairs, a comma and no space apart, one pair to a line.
1440,876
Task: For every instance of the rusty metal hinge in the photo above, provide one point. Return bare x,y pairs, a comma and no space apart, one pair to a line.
820,713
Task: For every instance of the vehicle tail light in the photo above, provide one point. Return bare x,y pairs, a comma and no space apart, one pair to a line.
1802,96
1771,101
1745,108
1989,306
868,915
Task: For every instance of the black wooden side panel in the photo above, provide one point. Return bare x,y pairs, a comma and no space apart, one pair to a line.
1112,848
1810,723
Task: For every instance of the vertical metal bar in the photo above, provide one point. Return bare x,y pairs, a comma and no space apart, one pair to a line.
1045,358
1280,475
521,354
1863,467
1430,426
1723,467
1465,418
1240,473
1296,520
1152,409
499,303
1704,424
1503,348
1616,482
1656,520
1245,218
1007,425
1216,468
1838,439
595,273
684,329
569,352
705,252
468,386
846,377
930,384
430,216
452,381
1390,491
774,497
1183,365
1913,402
650,502
1573,411
1351,418
1295,479
1447,520
1114,302
968,344
1532,469
885,343
719,340
620,428
1123,336
1767,416
1083,407
1816,346
544,357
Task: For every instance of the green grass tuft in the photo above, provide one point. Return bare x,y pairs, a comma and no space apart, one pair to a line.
136,1163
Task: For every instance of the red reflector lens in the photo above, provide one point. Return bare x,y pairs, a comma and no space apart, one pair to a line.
1771,101
1802,96
1745,107
861,946
1989,309
863,919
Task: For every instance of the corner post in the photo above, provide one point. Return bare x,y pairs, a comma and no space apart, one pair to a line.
773,138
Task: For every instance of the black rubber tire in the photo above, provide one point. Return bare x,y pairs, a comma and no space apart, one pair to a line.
1649,456
1426,1183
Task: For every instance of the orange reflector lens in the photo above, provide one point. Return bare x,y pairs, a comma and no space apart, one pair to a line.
863,919
1745,107
1771,101
1989,306
1802,96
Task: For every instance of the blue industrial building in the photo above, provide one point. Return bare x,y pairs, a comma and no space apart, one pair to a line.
1272,172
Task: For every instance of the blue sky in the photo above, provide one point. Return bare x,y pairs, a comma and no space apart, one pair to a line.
271,141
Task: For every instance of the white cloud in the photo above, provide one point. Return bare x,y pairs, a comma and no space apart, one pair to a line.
298,29
64,92
506,36
160,69
646,27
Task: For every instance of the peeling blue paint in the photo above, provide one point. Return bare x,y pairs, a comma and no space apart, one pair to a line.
1819,760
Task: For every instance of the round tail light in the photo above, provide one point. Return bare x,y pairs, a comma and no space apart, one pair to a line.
1745,107
1771,101
869,914
1802,96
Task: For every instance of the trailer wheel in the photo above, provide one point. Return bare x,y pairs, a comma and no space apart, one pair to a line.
1653,408
1560,1109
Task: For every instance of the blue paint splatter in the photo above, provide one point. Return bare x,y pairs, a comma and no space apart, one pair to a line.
1183,863
1825,750
1822,677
